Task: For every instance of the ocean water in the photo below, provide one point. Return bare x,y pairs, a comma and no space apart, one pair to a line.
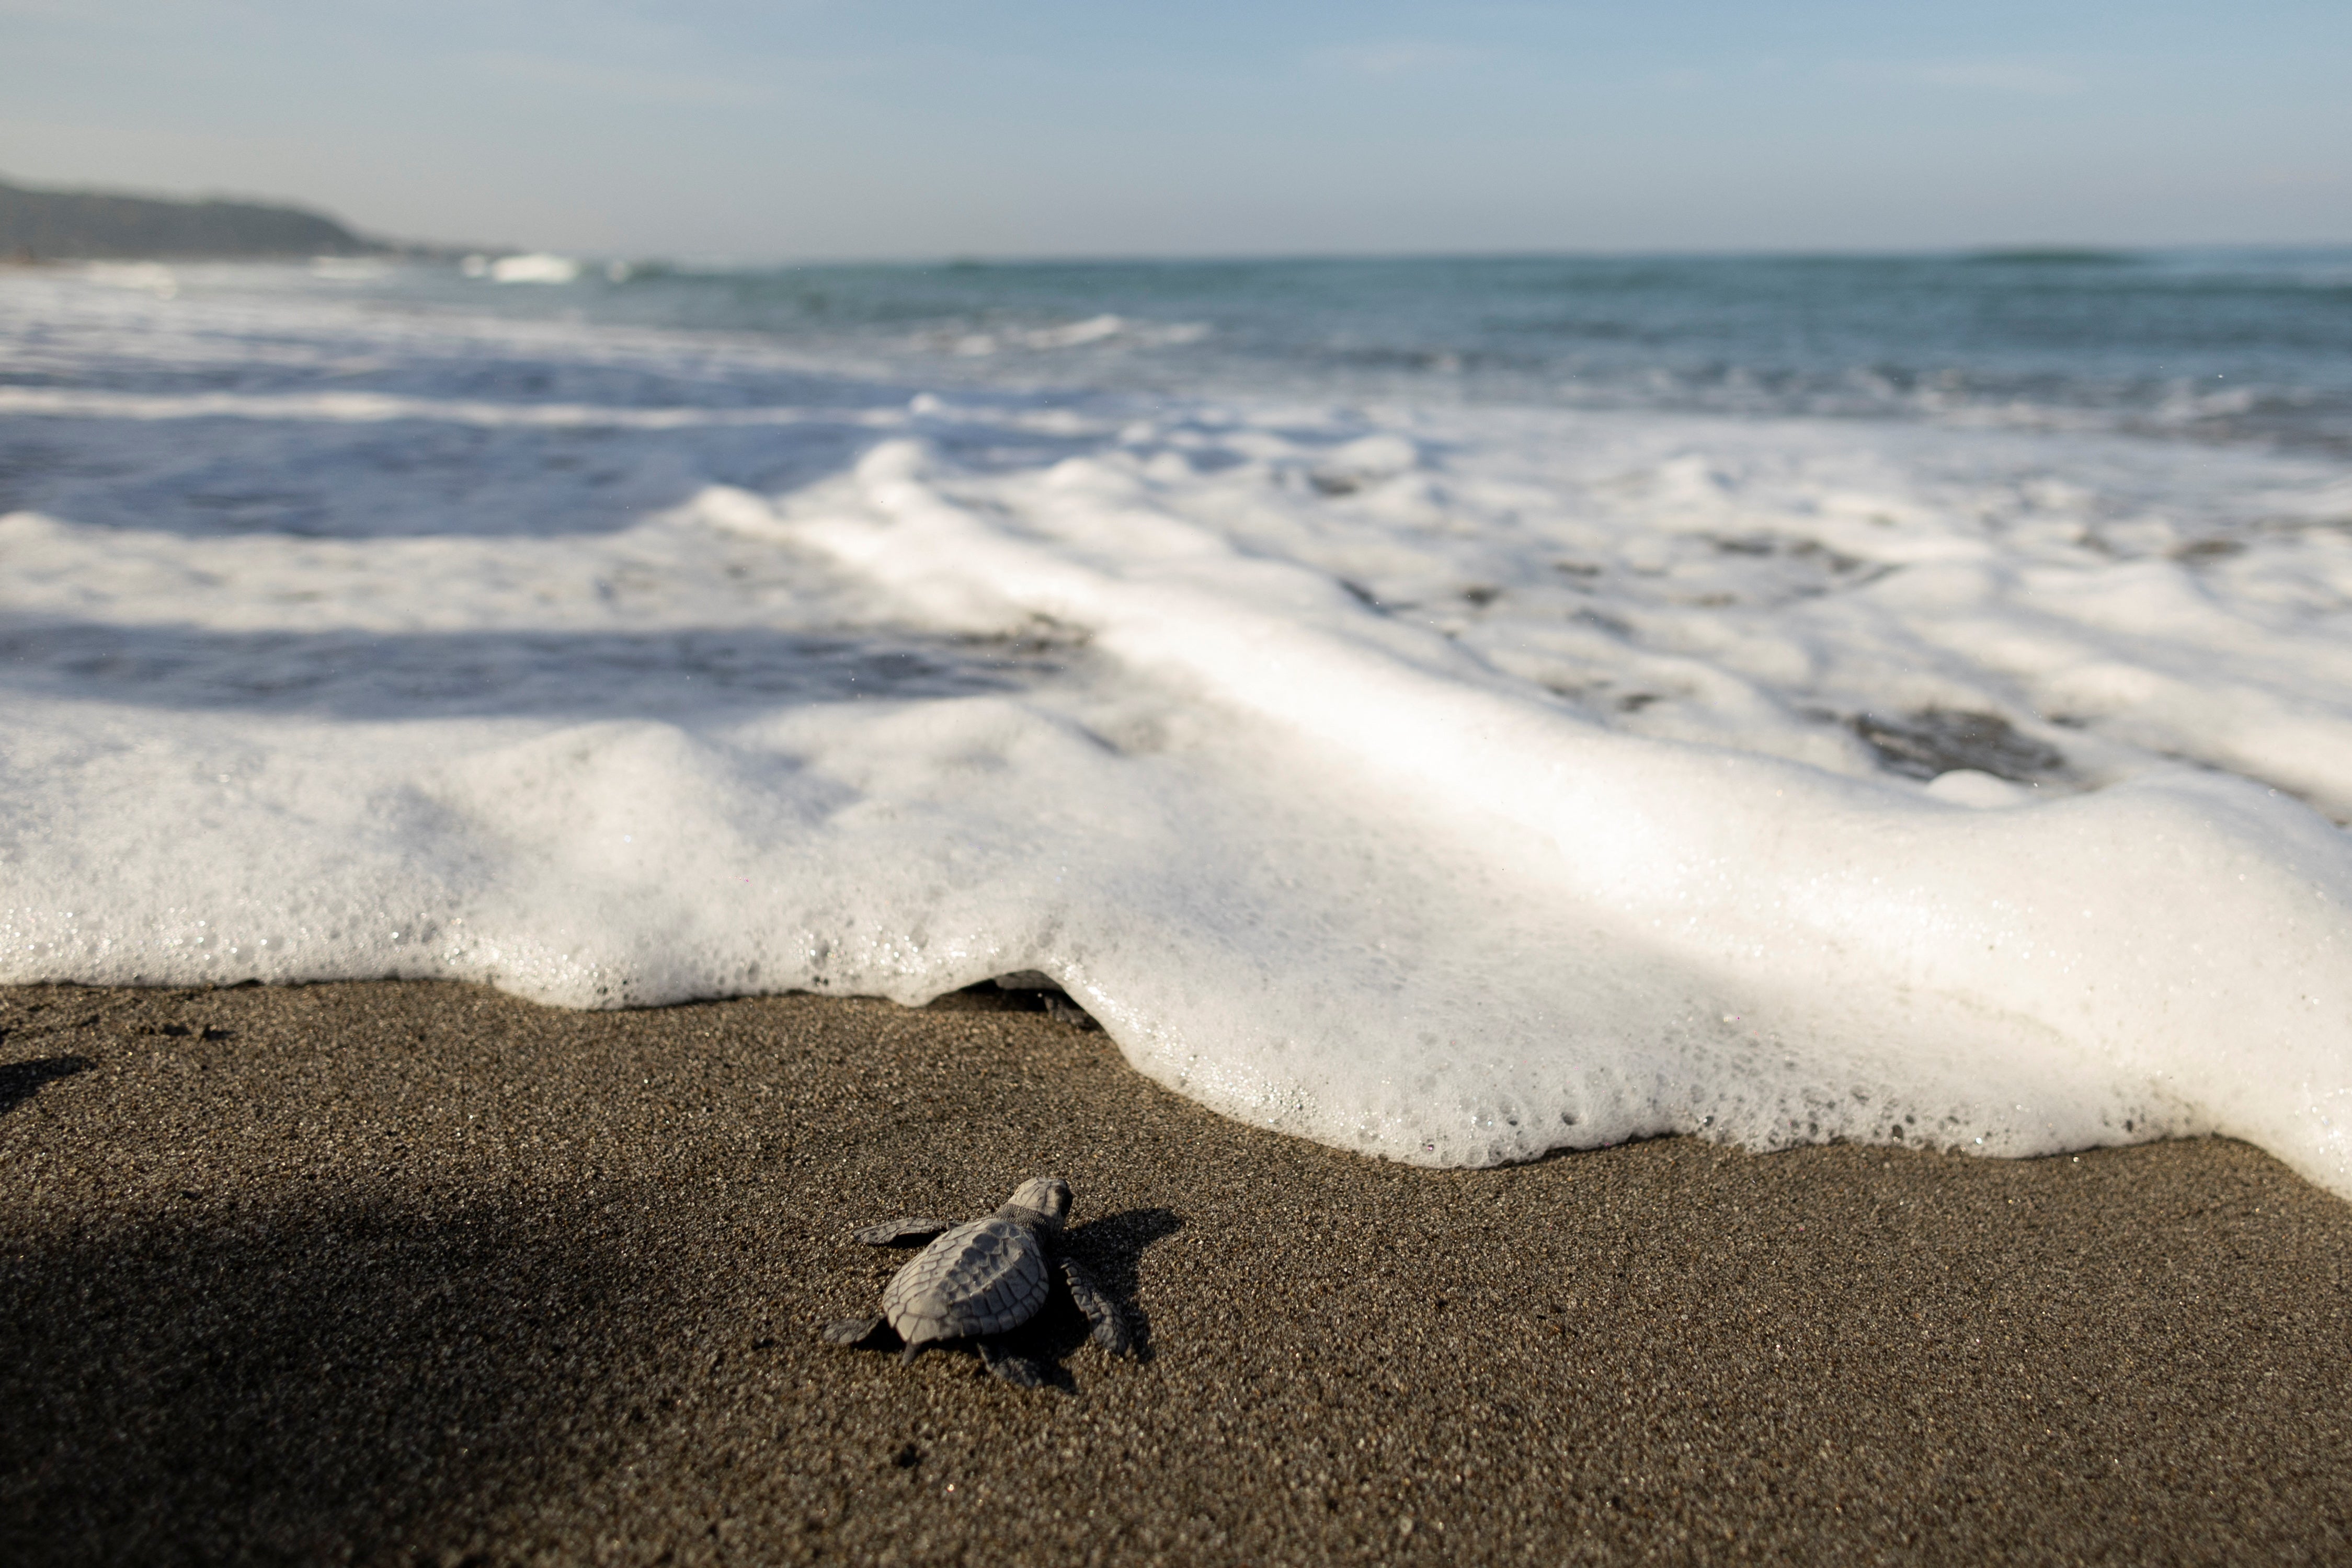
1448,709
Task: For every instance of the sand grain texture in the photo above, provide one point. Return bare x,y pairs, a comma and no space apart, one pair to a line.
407,1273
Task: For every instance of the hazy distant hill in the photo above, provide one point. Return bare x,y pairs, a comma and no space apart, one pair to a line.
49,224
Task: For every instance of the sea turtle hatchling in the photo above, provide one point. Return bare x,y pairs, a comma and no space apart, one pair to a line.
984,1279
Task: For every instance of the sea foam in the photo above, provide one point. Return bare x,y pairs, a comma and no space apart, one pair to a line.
1451,787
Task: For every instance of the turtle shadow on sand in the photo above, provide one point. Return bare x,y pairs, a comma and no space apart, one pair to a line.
1113,1246
20,1081
1013,1286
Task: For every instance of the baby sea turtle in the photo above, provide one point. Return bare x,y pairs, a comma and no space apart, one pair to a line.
984,1279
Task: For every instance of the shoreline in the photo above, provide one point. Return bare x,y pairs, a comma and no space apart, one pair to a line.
414,1270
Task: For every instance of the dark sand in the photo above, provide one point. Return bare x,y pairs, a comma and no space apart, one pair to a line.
402,1273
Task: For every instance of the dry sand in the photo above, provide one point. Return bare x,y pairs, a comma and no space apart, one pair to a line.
408,1272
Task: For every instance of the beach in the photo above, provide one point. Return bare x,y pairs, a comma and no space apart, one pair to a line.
420,1273
1631,742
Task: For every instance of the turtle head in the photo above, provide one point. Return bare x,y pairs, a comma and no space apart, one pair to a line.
1041,1201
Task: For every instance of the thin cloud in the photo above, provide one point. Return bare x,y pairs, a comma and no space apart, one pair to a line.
1393,58
2011,78
621,84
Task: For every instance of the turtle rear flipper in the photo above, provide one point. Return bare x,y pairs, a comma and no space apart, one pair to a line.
1017,1370
1111,1330
851,1332
903,1232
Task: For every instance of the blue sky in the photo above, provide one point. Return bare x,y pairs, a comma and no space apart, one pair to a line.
921,128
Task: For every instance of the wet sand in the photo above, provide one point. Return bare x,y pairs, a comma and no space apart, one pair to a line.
410,1272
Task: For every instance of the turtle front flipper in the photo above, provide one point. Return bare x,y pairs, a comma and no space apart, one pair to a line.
1017,1370
1111,1330
901,1232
